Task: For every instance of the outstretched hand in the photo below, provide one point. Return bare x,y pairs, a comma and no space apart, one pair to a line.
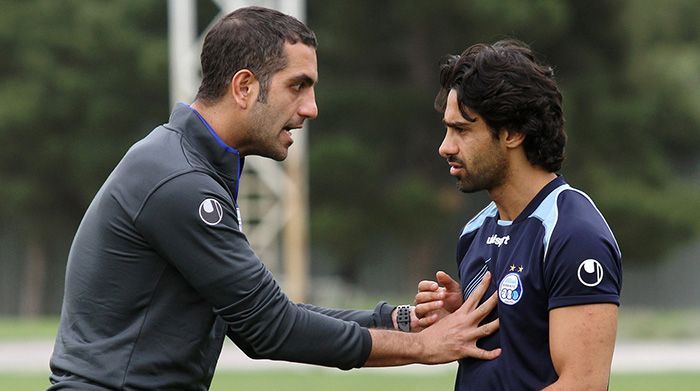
435,300
455,336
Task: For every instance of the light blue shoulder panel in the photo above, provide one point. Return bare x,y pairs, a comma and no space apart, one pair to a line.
548,214
477,221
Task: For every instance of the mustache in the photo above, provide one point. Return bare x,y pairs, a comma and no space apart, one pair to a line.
453,159
292,125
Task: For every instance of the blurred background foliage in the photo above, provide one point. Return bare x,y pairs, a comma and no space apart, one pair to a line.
80,81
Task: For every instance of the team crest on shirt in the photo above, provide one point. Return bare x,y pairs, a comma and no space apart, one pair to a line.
510,290
211,212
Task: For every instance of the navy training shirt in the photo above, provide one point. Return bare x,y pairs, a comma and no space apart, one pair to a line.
558,252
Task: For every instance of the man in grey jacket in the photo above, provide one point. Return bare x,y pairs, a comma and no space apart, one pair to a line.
159,271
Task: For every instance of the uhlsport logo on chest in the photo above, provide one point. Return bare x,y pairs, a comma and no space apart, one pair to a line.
498,240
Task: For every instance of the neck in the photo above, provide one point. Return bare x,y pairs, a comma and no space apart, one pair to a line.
216,117
519,188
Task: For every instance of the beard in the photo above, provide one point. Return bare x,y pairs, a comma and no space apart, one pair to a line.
486,173
265,131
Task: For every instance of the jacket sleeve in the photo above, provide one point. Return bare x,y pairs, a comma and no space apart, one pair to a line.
380,318
190,221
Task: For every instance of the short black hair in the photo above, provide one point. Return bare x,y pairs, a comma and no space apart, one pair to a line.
249,38
510,89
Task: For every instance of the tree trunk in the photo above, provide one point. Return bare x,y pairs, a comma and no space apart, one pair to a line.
32,288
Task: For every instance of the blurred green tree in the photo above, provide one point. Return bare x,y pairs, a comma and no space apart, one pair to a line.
81,81
630,78
634,120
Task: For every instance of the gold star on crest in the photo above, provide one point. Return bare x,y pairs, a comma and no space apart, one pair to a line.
512,268
520,269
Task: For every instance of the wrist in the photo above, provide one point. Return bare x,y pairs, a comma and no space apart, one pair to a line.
420,348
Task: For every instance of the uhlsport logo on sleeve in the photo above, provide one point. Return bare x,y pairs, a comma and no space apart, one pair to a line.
510,290
211,212
590,272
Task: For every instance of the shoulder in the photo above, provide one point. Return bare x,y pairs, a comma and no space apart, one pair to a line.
570,216
566,205
191,200
579,215
480,218
157,163
160,151
185,189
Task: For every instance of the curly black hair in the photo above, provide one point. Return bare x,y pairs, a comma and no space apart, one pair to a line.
510,89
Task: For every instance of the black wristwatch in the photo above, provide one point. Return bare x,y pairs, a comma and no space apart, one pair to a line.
403,317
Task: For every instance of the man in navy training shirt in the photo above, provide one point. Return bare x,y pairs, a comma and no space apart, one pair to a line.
159,272
555,263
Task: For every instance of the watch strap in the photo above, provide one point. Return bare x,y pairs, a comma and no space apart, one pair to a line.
403,317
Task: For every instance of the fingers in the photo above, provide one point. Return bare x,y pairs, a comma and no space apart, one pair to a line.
478,293
428,320
486,307
425,297
426,285
489,328
484,354
445,280
424,309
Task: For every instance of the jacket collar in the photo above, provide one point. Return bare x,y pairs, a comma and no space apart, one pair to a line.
207,145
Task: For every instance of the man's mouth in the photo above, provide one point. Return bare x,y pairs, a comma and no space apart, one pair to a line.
455,167
289,128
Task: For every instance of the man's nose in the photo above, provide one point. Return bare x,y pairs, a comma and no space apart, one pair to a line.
308,108
447,147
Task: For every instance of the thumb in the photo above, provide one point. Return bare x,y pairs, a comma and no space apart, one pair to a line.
445,280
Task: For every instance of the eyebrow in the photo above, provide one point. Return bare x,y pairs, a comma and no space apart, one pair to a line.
304,79
457,124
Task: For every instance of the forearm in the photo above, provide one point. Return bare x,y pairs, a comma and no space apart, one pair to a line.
392,348
452,338
274,328
313,340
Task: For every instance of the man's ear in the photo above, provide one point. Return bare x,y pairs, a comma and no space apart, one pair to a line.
511,138
244,88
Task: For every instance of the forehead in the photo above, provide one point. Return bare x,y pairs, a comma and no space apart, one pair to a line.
452,112
301,60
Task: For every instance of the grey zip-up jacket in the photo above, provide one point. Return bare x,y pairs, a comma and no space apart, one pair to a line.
159,272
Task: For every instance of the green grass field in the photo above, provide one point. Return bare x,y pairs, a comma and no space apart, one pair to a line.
651,327
634,323
370,380
18,328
